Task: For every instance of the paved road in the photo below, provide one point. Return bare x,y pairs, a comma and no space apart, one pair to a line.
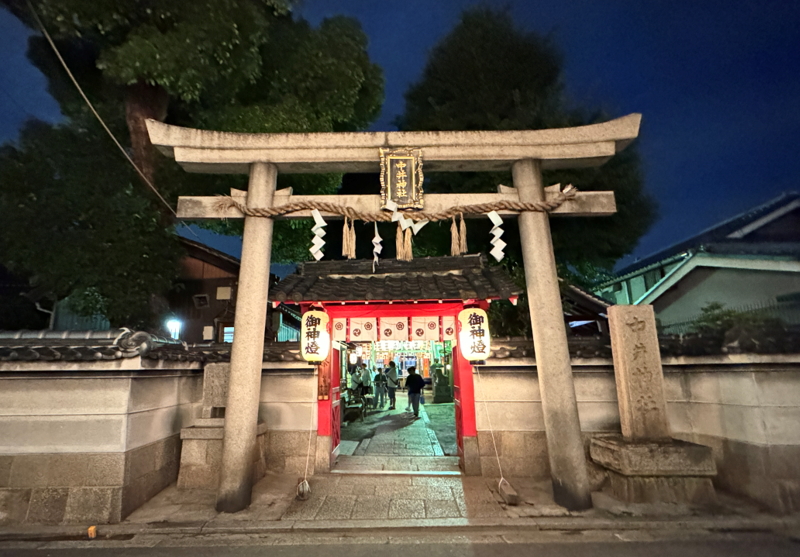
508,544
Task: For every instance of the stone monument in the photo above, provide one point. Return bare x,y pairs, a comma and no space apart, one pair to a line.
645,464
442,391
201,453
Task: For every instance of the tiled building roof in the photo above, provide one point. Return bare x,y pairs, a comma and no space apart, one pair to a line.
116,344
273,352
77,346
93,349
429,278
718,234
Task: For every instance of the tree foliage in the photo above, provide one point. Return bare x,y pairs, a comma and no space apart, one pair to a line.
73,213
488,74
72,217
716,319
188,47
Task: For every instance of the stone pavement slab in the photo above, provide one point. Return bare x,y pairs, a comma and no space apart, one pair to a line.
438,493
336,507
304,510
371,507
347,482
407,508
439,481
442,509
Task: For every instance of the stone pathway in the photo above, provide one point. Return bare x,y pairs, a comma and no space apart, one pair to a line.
396,471
402,434
354,497
373,501
396,497
419,465
393,441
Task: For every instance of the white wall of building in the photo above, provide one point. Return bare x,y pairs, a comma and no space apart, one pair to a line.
731,287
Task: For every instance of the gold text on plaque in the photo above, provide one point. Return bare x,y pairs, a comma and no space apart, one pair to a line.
401,178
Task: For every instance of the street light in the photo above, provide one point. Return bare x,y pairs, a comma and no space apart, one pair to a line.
174,327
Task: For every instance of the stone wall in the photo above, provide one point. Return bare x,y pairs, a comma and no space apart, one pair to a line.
287,411
288,407
507,397
746,407
92,442
749,414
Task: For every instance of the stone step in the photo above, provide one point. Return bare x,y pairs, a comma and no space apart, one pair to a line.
397,465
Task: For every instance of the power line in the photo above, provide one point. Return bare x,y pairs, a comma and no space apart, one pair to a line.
91,107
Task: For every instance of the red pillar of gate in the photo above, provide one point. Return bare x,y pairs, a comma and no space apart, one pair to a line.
324,397
328,402
467,394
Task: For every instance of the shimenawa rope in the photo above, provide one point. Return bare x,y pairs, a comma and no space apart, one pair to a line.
568,193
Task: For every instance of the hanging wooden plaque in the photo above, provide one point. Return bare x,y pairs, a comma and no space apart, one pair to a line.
401,178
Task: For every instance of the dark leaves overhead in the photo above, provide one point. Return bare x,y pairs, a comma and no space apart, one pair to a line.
488,74
71,216
73,213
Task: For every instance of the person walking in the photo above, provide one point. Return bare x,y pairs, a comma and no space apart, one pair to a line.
355,381
408,392
392,384
379,382
366,380
414,383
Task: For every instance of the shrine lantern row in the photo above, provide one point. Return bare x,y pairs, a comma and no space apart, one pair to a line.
471,328
373,329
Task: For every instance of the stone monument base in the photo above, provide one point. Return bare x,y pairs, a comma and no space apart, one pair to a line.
442,394
657,472
201,454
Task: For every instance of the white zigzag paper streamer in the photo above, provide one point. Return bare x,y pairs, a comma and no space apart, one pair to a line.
398,216
319,231
377,248
496,232
417,226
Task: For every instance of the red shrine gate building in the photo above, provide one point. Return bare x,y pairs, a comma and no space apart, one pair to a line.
404,311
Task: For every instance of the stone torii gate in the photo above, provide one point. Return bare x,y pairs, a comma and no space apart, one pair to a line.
527,153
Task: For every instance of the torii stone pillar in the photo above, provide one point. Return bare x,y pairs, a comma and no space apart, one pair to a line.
526,152
247,355
559,406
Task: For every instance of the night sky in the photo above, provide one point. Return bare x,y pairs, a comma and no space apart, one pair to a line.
717,82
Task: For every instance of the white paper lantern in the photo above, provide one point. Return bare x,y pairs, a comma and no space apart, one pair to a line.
473,336
315,339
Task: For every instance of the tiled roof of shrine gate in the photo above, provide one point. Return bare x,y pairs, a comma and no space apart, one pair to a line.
429,278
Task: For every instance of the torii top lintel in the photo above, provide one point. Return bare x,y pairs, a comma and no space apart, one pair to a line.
443,151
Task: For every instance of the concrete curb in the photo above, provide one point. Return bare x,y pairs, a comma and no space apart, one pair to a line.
451,525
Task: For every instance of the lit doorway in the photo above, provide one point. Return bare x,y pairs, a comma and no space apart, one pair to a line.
369,435
375,436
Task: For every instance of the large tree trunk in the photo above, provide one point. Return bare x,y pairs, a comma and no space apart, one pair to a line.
144,101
